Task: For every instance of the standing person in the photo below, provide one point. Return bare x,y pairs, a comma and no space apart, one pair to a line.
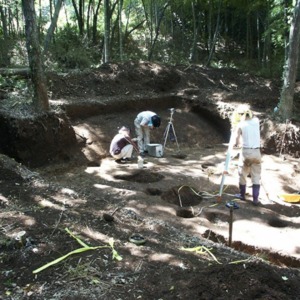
145,121
250,157
121,146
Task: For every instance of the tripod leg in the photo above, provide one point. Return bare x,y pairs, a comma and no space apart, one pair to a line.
166,134
175,137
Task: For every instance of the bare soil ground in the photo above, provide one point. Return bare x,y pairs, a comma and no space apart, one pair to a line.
189,250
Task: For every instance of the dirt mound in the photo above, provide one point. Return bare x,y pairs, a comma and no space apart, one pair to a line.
126,79
38,140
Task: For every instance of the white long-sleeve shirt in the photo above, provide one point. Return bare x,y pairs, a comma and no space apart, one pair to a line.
250,132
144,118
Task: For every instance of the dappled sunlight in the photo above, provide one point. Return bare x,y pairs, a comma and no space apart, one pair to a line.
156,69
59,201
151,208
265,237
27,221
164,257
94,170
88,131
218,96
69,192
3,199
272,168
93,137
83,131
106,170
13,219
50,204
93,234
135,251
73,202
115,191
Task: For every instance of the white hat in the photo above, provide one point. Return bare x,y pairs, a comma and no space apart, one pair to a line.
124,129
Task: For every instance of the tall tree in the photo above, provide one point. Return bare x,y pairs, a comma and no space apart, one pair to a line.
290,70
106,32
215,36
154,16
4,60
95,21
52,26
40,97
120,8
196,27
79,12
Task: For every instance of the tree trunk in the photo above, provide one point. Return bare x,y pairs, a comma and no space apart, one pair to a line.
162,13
266,56
51,29
40,98
290,71
5,61
106,31
258,39
4,22
79,16
120,30
286,33
214,40
88,27
95,20
195,34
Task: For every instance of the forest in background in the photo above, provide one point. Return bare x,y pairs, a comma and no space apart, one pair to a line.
253,36
79,34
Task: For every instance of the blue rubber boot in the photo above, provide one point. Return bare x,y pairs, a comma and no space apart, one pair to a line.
242,193
255,193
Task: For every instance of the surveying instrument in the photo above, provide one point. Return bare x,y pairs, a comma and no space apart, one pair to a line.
170,131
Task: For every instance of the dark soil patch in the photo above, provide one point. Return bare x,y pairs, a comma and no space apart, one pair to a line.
39,140
275,222
140,176
153,191
182,196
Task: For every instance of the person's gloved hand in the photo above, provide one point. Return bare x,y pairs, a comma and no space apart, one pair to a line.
134,139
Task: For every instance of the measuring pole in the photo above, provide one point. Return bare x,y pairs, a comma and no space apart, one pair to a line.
227,161
231,205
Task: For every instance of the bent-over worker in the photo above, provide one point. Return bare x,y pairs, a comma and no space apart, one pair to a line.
145,121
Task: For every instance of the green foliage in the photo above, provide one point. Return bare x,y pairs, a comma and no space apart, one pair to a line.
9,51
17,51
219,64
244,24
19,93
72,51
13,83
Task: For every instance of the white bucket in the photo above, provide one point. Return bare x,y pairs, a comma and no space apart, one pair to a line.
140,162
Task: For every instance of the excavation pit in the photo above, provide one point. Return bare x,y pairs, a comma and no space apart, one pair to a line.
183,196
142,176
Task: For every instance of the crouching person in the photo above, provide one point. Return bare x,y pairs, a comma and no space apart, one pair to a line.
121,146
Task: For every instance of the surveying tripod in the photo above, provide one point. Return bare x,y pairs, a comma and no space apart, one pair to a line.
170,130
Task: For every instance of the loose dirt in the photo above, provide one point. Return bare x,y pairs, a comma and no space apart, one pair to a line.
189,252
